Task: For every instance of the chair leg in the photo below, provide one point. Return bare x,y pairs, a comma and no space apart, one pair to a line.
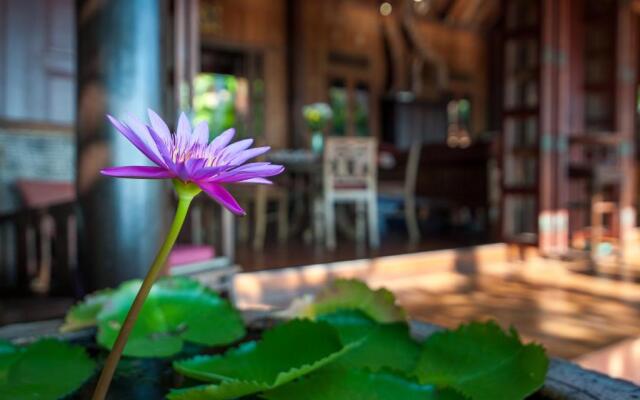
411,219
330,223
318,219
360,221
374,233
261,218
283,218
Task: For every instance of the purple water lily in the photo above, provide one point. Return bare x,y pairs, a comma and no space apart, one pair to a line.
189,157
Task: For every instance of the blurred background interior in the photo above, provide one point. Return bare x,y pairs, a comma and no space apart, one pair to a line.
489,146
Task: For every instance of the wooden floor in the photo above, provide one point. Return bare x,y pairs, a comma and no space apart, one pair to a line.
567,317
296,252
571,313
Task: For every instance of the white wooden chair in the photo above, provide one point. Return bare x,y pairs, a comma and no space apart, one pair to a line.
350,176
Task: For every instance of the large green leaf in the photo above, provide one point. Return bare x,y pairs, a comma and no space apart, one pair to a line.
47,369
384,346
8,355
285,353
6,347
351,294
353,384
177,310
85,313
483,362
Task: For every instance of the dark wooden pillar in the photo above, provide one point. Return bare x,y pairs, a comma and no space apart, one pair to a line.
627,48
121,221
559,66
548,126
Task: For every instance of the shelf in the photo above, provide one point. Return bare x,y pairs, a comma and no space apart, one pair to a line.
521,112
530,74
522,33
523,151
520,189
603,138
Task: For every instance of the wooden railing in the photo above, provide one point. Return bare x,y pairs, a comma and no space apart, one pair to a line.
38,247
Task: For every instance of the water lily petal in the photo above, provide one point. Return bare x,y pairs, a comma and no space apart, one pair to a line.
231,150
162,147
207,172
132,136
183,132
137,172
257,181
181,171
222,196
237,176
193,165
159,125
254,166
222,140
200,134
248,154
142,131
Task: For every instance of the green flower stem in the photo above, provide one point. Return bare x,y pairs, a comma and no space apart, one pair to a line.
186,193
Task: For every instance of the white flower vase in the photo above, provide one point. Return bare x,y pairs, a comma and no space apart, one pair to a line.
317,142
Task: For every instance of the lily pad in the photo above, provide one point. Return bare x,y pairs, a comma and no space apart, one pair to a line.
285,353
352,294
46,370
353,384
6,347
85,314
177,310
384,346
483,362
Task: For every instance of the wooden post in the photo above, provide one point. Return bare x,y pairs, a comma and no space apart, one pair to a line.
627,49
122,221
548,127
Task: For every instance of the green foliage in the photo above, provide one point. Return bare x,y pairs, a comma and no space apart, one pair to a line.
383,346
483,362
285,353
6,347
214,102
352,384
85,313
355,345
178,309
351,294
46,370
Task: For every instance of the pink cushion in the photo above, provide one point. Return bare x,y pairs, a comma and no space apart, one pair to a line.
37,193
188,254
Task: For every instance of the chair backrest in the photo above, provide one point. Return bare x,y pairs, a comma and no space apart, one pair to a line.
350,164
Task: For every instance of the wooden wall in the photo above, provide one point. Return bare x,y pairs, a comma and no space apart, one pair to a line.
336,39
37,61
255,25
307,36
465,53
